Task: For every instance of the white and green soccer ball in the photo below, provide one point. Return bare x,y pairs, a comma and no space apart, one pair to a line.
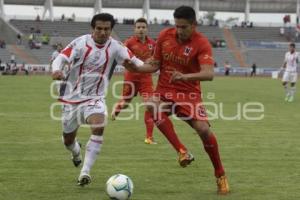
119,187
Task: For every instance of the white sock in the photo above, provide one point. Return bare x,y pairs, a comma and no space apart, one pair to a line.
92,150
287,90
293,91
74,148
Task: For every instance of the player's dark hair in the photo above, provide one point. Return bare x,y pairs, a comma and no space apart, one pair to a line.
141,20
185,12
293,45
103,17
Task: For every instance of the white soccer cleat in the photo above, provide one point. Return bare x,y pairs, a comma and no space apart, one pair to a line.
287,97
291,99
84,179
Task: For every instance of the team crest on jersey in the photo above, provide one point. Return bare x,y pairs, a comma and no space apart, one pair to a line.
150,46
187,51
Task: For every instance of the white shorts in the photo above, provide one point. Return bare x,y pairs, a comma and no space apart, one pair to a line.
75,115
290,77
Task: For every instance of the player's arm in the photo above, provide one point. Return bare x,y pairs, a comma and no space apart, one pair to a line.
284,62
72,51
284,65
205,63
57,66
132,63
150,66
206,74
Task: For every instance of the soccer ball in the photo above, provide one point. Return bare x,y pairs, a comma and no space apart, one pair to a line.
119,187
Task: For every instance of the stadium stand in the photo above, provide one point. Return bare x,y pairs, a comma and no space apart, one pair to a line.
68,30
63,29
258,34
265,57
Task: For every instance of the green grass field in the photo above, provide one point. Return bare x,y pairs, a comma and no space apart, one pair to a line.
262,158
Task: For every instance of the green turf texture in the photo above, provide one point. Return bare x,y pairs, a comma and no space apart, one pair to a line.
261,158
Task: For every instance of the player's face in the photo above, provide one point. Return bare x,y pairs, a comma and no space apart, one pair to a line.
292,49
184,29
141,30
102,31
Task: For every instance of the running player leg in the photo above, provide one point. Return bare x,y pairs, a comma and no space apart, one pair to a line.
146,90
211,147
164,124
95,116
70,126
129,91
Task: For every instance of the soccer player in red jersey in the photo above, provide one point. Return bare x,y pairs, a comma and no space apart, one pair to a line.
142,46
184,58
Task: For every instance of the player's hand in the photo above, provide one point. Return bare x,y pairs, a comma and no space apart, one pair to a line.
176,76
58,75
129,65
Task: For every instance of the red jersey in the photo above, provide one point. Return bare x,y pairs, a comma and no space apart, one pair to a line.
142,51
184,57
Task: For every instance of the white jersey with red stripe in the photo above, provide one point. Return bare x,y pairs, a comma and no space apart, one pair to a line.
291,60
90,68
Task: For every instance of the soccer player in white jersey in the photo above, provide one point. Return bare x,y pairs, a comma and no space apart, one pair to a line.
89,62
291,61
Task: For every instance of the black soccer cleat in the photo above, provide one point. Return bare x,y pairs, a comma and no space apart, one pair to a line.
77,159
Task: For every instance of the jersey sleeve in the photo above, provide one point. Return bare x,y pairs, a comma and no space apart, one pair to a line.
124,53
72,50
205,56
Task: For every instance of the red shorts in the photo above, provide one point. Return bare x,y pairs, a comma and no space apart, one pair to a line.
132,87
185,105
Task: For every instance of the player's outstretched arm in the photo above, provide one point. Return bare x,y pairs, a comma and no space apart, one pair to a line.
147,67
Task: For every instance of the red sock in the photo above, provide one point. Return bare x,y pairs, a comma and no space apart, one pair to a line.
211,148
149,124
165,125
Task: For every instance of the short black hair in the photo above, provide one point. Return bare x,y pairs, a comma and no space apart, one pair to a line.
293,45
141,20
103,17
185,12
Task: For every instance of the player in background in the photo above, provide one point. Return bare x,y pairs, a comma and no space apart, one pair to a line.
90,58
184,58
291,61
142,46
58,48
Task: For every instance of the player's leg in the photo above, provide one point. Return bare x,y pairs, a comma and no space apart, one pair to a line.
211,147
128,93
95,116
292,92
149,123
293,80
145,89
160,111
285,80
70,126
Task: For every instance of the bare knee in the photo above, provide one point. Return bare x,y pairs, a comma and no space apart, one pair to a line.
97,130
284,83
69,138
97,123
